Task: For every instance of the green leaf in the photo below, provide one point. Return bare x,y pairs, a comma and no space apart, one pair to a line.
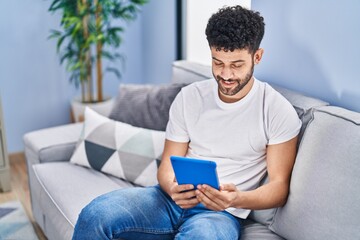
107,55
115,71
60,41
139,2
55,5
54,34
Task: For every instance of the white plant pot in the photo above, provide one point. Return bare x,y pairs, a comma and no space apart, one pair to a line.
78,108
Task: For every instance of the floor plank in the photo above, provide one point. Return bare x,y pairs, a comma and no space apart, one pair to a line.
20,188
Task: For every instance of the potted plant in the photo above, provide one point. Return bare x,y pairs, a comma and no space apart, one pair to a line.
88,36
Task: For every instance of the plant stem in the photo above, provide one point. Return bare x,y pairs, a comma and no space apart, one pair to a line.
98,51
82,91
88,55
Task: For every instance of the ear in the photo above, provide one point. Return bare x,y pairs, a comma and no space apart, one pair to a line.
258,55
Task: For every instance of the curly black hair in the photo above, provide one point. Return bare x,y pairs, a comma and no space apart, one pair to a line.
235,28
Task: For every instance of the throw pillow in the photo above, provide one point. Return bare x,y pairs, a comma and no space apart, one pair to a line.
119,149
145,106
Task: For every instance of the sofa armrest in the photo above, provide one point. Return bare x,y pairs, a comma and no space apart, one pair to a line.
51,144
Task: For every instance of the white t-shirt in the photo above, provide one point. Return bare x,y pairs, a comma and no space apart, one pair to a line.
234,135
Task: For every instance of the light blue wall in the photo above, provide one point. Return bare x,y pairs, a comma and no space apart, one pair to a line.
159,40
34,88
313,46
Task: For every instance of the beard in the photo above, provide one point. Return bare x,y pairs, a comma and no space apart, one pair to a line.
240,83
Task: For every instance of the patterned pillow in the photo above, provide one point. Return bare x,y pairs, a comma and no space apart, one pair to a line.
119,149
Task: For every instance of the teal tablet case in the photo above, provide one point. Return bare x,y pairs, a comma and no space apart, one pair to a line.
195,171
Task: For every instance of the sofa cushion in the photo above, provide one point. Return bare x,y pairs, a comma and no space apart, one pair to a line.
62,189
145,106
119,149
324,191
256,231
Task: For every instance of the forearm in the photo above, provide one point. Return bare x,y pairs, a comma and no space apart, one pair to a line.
166,176
270,195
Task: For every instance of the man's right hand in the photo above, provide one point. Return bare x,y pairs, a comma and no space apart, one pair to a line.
184,195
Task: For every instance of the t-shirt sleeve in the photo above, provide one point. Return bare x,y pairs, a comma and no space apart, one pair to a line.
283,122
176,129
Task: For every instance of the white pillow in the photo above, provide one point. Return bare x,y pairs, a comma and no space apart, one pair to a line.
119,149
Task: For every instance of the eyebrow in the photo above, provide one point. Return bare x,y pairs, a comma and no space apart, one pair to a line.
236,61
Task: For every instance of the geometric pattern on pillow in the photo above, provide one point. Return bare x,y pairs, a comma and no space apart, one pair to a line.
119,149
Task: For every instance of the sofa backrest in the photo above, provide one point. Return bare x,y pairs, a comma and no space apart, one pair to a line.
324,193
188,72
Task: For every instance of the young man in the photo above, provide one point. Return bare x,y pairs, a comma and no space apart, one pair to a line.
242,124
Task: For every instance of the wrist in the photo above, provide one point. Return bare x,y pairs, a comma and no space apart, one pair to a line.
166,185
237,203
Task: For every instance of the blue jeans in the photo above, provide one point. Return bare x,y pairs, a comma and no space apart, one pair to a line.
150,213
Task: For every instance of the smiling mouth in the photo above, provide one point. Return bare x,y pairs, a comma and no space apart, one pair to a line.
228,82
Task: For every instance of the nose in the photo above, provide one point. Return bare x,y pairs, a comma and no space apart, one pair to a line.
227,73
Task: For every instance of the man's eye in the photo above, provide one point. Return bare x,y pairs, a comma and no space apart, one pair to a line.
237,66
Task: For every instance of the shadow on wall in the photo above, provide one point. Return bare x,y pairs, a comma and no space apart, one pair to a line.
351,99
307,49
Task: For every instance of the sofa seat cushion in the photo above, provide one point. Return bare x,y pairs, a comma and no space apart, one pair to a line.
324,190
256,231
63,189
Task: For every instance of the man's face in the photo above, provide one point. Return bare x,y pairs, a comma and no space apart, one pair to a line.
233,72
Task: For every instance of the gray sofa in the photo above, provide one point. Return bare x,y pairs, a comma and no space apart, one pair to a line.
324,199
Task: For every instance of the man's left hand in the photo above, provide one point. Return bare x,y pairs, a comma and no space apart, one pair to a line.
217,200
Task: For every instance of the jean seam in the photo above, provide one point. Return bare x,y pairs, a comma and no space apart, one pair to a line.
180,221
144,230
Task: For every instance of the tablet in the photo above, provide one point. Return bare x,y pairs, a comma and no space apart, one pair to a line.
195,171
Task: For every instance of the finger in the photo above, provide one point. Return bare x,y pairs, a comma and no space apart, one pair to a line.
209,191
220,197
191,201
227,187
217,197
207,202
183,195
176,189
187,203
183,187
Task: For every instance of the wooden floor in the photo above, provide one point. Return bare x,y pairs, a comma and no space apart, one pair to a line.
20,188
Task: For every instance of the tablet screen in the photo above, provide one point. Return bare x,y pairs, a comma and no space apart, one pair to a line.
195,171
